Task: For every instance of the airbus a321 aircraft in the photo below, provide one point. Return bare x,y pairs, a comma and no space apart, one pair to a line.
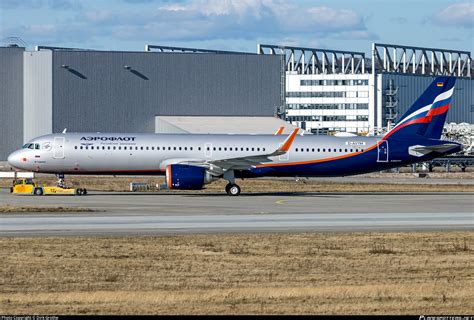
190,161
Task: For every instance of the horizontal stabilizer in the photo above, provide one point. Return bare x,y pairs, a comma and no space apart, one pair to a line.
419,151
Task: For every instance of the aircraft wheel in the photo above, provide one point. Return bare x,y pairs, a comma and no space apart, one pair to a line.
84,191
227,187
233,190
38,192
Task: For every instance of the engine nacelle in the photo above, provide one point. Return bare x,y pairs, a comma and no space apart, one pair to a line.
185,177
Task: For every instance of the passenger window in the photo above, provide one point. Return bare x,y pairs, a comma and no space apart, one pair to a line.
185,148
191,148
241,149
345,150
147,148
307,149
199,148
230,149
141,148
120,148
253,149
258,149
357,150
319,150
214,148
263,149
81,147
174,148
75,147
312,150
115,148
324,150
92,147
247,149
220,149
103,148
296,149
340,150
169,148
87,147
351,150
179,148
225,148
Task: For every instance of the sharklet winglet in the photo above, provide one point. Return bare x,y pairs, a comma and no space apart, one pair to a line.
279,131
288,142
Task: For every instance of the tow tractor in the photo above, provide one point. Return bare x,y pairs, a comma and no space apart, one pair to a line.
27,186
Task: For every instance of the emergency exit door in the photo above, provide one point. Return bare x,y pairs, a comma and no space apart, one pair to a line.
382,151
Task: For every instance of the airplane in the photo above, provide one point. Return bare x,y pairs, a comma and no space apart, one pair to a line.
190,161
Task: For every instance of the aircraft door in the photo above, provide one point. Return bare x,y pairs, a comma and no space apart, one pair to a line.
208,150
58,148
382,151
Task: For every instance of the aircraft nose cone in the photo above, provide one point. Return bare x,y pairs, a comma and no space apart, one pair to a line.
14,159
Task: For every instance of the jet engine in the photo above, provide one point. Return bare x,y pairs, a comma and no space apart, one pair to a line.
186,177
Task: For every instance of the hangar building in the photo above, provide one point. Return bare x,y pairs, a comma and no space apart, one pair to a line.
50,89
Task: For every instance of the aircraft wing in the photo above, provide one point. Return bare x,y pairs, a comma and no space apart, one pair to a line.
217,167
246,162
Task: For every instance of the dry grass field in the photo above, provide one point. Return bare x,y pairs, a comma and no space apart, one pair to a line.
347,273
108,183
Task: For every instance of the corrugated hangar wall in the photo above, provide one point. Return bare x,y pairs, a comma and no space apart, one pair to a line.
11,100
410,87
123,91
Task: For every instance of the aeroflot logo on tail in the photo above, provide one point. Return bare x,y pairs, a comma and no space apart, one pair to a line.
108,138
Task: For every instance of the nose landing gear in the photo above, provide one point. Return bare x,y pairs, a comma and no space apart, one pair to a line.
61,183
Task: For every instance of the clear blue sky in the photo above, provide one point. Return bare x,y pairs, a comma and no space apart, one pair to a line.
239,24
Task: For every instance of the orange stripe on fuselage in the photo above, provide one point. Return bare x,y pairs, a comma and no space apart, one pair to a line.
266,165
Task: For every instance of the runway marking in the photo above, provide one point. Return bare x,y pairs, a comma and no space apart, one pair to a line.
284,201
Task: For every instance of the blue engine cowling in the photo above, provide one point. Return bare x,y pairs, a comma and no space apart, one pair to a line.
185,177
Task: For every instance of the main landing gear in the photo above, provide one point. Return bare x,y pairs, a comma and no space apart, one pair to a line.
231,188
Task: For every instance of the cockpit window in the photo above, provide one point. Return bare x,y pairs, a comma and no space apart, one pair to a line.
31,146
